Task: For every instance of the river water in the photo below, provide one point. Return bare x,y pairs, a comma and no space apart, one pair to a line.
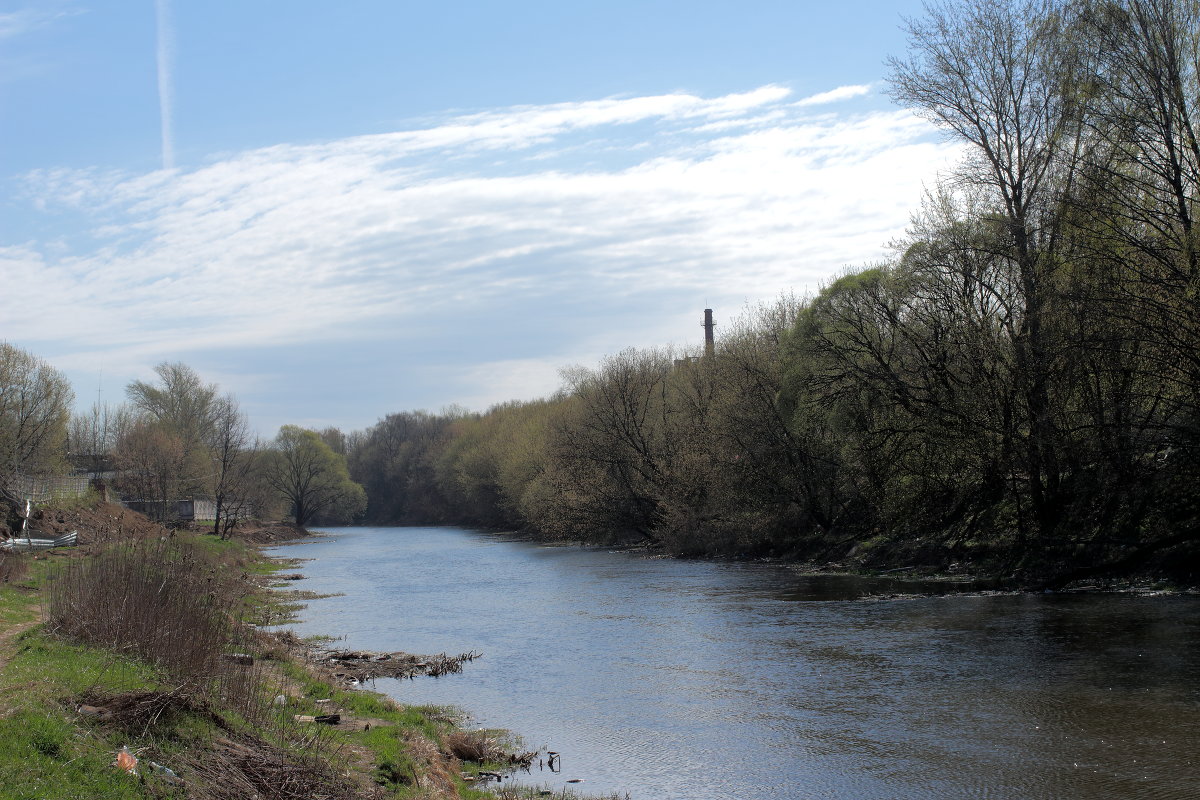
680,680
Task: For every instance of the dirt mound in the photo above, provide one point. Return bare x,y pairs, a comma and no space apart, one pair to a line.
104,523
269,532
98,524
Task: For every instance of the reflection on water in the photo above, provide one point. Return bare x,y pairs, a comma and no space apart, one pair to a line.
679,680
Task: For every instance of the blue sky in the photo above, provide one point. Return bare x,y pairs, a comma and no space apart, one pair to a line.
341,211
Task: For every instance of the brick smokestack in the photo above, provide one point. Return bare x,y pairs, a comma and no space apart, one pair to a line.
709,343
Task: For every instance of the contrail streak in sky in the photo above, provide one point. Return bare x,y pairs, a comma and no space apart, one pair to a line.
165,98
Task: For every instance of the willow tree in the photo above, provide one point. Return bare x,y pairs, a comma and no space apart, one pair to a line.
312,478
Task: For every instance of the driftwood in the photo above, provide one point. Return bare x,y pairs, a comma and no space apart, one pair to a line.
359,666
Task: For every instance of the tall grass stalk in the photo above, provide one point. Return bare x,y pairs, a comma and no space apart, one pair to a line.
160,601
13,566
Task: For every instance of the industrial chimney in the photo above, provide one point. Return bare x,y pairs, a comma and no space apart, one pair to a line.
709,344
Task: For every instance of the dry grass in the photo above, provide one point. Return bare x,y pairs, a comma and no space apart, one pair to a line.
155,600
484,747
235,769
433,775
13,566
475,746
137,713
169,604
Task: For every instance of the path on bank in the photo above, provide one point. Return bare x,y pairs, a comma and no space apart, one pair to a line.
8,639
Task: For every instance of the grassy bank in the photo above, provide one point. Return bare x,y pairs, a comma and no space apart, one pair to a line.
139,647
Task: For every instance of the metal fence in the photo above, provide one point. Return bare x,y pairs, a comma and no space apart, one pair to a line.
186,510
207,510
43,490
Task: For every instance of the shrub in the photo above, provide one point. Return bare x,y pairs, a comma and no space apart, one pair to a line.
161,601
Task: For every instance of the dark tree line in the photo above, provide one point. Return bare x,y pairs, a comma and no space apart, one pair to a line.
1018,387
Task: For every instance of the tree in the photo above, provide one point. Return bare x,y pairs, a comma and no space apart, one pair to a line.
394,460
94,435
1142,196
35,402
777,480
150,456
232,454
312,478
186,406
1000,75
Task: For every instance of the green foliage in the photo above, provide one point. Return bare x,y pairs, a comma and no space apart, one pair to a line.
1019,387
395,462
312,478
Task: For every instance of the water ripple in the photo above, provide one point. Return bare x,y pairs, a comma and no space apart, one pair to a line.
698,681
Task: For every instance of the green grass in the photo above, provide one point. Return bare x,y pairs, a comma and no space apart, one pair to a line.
44,757
228,551
395,767
17,605
47,750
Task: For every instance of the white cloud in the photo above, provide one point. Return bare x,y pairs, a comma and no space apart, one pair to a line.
481,386
835,95
15,23
22,21
732,198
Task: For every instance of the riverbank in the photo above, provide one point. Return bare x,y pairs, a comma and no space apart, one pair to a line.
132,666
926,576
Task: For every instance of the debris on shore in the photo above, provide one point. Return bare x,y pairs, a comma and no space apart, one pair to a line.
359,666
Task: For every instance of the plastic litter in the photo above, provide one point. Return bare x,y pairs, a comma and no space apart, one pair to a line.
126,760
166,772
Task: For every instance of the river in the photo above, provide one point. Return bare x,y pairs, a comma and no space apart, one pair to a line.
683,680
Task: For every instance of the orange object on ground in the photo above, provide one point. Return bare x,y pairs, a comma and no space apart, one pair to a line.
127,760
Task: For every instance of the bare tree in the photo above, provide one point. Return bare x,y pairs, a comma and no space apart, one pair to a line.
35,401
94,434
999,75
1143,193
150,456
232,451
